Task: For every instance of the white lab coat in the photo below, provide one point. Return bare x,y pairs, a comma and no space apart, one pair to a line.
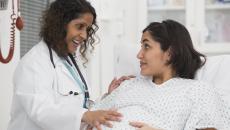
37,102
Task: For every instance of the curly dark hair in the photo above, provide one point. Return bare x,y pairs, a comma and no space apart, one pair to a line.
55,20
173,36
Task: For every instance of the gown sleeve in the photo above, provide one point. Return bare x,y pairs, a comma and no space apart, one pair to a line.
208,109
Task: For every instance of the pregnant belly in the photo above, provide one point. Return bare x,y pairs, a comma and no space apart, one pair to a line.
130,113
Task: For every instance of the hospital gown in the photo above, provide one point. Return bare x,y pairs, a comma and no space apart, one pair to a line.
177,104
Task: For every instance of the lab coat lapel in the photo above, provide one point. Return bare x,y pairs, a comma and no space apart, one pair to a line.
60,65
65,71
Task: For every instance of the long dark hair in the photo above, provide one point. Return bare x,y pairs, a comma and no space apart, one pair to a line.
173,36
55,19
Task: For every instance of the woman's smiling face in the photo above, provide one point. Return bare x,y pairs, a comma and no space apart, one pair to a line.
77,31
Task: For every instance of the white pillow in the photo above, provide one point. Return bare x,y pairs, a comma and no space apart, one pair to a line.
217,72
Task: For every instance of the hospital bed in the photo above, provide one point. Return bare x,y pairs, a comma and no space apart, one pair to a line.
216,71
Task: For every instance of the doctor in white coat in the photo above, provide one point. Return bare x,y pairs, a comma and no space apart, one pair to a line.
50,92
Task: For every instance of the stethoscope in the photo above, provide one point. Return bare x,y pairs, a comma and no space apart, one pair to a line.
87,102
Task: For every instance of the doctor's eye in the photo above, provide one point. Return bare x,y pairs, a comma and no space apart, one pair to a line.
79,26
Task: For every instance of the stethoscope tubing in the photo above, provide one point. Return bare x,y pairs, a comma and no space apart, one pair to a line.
86,92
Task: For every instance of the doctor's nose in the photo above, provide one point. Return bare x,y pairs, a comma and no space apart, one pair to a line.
84,35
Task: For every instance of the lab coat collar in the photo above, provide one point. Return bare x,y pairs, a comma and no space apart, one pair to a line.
56,58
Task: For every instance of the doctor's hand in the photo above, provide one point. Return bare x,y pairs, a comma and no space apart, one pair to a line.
142,126
116,82
96,118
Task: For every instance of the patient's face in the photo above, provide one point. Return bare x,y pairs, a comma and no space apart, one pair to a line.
152,59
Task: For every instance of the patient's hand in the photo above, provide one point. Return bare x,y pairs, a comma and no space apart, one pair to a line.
142,126
116,82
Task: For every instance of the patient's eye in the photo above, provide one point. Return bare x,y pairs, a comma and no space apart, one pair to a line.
145,46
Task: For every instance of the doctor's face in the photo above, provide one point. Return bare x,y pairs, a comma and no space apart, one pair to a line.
152,58
77,31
